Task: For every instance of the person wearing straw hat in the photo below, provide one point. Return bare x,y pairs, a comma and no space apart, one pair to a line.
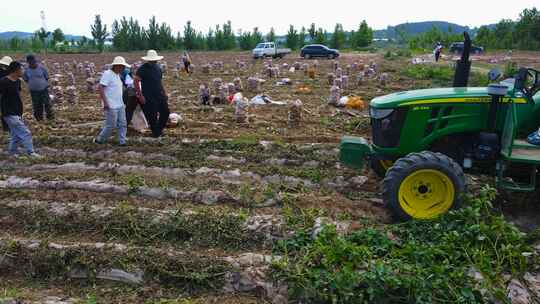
111,90
152,96
4,63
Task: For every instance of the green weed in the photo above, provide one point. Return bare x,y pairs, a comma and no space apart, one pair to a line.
413,262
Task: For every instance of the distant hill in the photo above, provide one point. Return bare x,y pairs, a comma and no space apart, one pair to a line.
25,35
416,28
9,35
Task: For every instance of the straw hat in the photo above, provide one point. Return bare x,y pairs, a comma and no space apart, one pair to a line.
119,60
152,55
6,60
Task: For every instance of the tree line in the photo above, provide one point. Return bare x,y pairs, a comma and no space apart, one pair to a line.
522,34
128,34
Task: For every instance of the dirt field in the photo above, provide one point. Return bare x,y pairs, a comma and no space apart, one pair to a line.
240,184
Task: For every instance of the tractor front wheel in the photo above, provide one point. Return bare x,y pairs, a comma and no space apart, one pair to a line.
423,186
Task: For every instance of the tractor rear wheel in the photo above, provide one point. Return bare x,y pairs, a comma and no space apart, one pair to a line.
423,186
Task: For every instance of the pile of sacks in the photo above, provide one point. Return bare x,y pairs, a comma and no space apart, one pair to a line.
241,108
294,116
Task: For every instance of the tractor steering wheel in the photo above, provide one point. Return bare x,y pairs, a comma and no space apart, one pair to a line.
522,78
535,87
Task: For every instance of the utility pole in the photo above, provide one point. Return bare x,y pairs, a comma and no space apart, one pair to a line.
45,29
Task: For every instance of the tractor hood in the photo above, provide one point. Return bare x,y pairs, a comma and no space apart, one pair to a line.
429,96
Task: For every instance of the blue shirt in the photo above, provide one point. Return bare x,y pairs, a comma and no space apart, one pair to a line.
37,79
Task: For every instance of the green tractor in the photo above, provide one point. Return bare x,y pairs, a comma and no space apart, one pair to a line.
423,140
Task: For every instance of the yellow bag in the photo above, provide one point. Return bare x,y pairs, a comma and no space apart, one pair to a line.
355,103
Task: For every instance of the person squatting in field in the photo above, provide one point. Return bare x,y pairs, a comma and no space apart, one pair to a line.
152,96
37,78
11,108
111,91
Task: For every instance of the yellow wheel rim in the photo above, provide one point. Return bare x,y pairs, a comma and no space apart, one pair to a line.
426,194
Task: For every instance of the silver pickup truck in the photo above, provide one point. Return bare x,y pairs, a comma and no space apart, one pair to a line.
269,49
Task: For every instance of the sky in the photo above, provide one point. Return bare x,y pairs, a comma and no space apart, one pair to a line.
75,17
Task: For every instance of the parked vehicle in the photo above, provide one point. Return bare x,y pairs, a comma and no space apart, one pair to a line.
457,48
318,50
269,49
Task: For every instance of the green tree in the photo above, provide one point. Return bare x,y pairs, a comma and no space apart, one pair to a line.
320,36
271,36
246,40
178,41
504,31
338,37
527,30
220,38
199,41
120,35
257,36
302,37
165,37
364,36
99,32
42,35
15,43
401,34
58,36
210,40
292,38
36,44
152,34
484,36
190,36
229,39
312,32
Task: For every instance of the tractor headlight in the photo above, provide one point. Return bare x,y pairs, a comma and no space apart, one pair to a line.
379,113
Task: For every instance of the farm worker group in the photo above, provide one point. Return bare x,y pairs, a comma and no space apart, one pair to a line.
120,92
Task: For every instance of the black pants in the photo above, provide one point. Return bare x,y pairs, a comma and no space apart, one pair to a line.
187,67
40,103
157,113
130,100
437,56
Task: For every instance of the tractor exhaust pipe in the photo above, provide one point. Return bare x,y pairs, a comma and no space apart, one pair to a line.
463,66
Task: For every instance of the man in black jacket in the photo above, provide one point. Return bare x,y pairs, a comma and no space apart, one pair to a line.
152,97
11,111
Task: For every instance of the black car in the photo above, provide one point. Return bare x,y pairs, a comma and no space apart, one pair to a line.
457,48
318,50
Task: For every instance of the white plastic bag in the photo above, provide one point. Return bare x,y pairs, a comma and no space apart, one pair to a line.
138,122
258,100
342,101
